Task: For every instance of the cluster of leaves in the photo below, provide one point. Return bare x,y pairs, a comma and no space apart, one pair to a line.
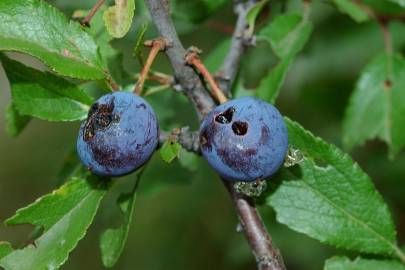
327,196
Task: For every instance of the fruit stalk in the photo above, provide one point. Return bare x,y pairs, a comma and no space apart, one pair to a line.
157,46
254,230
92,12
193,59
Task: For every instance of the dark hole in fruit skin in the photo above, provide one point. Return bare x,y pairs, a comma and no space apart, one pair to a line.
226,116
240,128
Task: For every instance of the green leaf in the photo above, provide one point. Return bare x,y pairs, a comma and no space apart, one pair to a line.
15,122
118,18
343,263
241,91
399,2
377,106
5,249
385,7
287,35
139,39
351,9
113,241
111,58
270,86
36,28
195,11
252,14
333,200
44,95
65,215
214,59
170,150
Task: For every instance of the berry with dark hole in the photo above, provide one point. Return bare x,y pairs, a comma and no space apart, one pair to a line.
119,135
244,139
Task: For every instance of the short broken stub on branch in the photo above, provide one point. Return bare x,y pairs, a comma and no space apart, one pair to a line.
193,59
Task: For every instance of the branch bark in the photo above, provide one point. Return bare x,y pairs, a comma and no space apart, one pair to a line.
240,41
266,253
185,75
188,140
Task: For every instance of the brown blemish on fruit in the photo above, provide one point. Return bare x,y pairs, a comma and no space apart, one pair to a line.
99,117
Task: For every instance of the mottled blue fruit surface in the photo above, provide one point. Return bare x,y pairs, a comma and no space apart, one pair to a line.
244,139
119,135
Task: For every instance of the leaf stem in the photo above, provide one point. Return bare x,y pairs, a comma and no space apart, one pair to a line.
383,21
159,88
92,12
159,77
400,254
387,35
110,81
193,59
157,46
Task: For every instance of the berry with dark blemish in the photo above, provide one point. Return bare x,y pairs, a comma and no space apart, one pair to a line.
244,139
119,135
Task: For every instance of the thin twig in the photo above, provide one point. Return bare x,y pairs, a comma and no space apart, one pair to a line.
92,12
156,89
193,59
156,76
157,46
267,254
